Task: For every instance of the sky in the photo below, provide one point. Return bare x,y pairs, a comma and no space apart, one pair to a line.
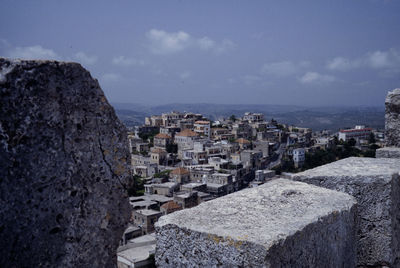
309,53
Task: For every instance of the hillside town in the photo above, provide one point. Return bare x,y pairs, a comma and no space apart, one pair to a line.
181,159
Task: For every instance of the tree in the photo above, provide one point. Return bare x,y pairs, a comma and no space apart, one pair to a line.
371,138
172,148
232,118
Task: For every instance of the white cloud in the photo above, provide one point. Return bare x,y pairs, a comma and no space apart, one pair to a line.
123,61
206,43
283,68
379,59
33,52
375,60
162,42
111,77
314,77
85,59
342,64
185,75
167,43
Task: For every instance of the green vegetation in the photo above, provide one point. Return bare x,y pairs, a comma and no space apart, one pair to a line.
137,187
321,157
149,136
162,174
232,118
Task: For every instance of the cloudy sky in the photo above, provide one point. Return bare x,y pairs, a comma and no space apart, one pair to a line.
236,52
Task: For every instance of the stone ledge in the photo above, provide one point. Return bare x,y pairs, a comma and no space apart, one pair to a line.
285,222
388,152
375,185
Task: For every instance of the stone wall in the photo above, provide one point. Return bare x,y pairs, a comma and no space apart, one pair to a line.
392,118
279,224
375,185
63,155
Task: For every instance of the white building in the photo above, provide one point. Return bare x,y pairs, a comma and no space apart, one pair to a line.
253,117
359,132
299,156
202,128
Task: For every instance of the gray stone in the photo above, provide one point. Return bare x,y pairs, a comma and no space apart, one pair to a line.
375,185
63,155
279,224
388,152
392,118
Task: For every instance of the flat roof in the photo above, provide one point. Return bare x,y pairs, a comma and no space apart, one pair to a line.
148,212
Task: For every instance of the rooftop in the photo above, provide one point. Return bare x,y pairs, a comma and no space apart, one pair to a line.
187,133
147,212
179,171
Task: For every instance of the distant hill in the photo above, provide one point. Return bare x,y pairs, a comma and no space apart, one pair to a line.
317,118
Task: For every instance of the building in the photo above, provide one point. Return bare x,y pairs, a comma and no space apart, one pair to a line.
359,132
185,140
145,219
264,175
170,207
243,143
299,156
158,156
162,140
130,233
203,128
253,117
194,186
166,188
180,175
187,200
197,174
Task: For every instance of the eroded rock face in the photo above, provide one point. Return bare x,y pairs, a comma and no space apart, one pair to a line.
392,118
63,155
279,224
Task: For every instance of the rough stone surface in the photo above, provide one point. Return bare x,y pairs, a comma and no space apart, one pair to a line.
392,118
279,224
388,152
375,185
63,158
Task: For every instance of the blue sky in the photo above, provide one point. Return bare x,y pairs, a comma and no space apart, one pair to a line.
318,53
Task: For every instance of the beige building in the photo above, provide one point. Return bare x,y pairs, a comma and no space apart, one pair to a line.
203,128
162,140
180,175
145,219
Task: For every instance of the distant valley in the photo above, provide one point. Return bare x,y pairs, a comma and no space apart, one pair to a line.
317,118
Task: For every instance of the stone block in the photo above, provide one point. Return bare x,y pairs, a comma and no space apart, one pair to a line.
376,186
279,224
392,118
388,152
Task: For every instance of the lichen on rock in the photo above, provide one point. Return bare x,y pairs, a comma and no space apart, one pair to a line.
63,155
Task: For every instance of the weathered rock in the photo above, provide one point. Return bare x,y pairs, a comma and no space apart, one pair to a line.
279,224
392,118
388,152
63,156
376,186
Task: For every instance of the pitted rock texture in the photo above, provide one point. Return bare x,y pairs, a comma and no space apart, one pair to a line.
376,186
63,155
388,152
392,118
279,224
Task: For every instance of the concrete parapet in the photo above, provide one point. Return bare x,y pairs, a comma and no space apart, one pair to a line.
388,152
279,224
375,185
